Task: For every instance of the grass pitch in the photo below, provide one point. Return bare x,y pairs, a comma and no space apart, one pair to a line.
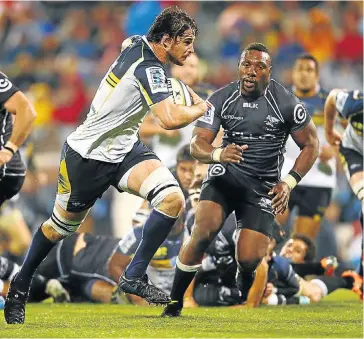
339,315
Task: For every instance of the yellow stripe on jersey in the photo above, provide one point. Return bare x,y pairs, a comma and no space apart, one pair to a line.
114,78
145,94
64,185
318,120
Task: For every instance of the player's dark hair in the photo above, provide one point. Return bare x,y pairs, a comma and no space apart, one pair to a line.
306,56
184,154
256,46
311,249
172,21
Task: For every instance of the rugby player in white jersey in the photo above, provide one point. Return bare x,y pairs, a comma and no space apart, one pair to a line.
312,195
105,150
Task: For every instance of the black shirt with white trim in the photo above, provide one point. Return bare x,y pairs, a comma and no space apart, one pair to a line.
7,89
262,123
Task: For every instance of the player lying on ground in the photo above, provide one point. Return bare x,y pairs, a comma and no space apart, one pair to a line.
41,287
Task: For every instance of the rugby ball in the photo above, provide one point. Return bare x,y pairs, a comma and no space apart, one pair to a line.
180,93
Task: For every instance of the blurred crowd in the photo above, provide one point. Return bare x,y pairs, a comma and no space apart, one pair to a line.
57,53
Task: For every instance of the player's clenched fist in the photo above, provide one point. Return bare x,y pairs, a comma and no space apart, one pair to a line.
232,153
5,156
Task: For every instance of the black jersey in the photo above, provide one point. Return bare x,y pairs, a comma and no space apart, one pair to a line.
7,90
15,166
263,123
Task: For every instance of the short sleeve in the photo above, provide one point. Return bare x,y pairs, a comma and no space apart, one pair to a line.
130,242
153,82
298,116
211,119
7,88
349,103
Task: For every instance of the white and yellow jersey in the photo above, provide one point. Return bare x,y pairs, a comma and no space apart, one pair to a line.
133,83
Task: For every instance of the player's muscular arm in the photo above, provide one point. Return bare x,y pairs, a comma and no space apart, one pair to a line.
25,114
172,116
332,136
202,149
307,140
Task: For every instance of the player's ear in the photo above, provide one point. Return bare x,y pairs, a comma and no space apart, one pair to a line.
166,41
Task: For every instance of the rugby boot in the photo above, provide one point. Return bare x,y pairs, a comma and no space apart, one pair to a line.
330,264
173,309
14,310
143,289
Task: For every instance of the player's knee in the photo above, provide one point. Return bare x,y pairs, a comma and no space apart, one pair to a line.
161,189
173,204
248,265
58,227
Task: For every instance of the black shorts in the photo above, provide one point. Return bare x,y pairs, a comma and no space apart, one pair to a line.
311,201
10,186
352,158
92,261
236,191
82,181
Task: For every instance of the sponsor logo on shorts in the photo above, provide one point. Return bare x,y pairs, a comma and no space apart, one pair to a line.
157,80
265,203
217,170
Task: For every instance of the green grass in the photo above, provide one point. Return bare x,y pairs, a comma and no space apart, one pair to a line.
339,315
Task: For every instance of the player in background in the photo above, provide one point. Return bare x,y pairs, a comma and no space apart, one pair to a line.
257,114
105,150
313,194
349,104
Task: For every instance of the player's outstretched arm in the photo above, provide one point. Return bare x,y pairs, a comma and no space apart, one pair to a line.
172,116
332,136
202,149
24,112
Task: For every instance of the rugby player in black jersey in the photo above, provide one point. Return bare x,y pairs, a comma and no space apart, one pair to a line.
12,135
257,114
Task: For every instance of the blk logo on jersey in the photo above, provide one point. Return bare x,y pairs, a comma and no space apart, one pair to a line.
250,105
5,85
299,114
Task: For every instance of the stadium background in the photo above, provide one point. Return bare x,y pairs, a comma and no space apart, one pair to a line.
57,52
